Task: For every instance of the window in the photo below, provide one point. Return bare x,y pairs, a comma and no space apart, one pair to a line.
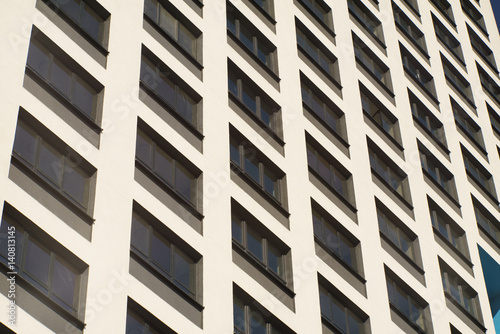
409,29
489,84
434,169
474,15
479,174
329,170
173,93
367,20
336,239
61,169
485,220
482,49
253,40
458,290
371,63
418,73
447,38
445,9
338,314
43,263
426,119
258,168
266,5
495,119
320,10
445,227
85,16
168,167
408,304
317,52
413,5
465,123
140,321
457,81
174,24
318,104
154,246
402,238
379,114
254,100
58,72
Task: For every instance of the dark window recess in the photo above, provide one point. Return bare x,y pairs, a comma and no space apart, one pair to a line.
320,10
266,5
379,114
406,25
169,20
372,63
137,324
433,168
486,221
367,19
59,75
167,258
401,238
471,11
418,73
467,125
315,101
56,164
423,116
457,81
84,16
254,99
319,53
256,166
413,6
165,165
482,49
445,8
447,38
489,84
251,38
344,246
478,173
495,119
167,86
46,269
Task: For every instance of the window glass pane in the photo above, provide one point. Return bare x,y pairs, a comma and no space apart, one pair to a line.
270,182
91,22
249,98
37,262
186,106
331,238
317,225
168,23
402,302
416,315
60,77
317,106
140,235
187,40
325,303
231,23
324,169
246,37
257,323
354,324
393,234
38,59
50,164
75,184
151,9
184,182
264,54
275,259
306,95
345,250
391,291
143,149
71,8
84,97
148,73
331,119
25,143
160,252
184,270
236,230
64,282
339,317
135,324
406,244
232,83
239,316
266,114
311,158
234,153
254,243
166,89
338,183
251,165
163,165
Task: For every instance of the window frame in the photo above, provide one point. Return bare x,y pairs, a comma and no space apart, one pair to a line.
494,119
409,29
482,49
480,175
457,81
446,10
448,40
367,19
465,123
488,83
418,74
474,15
489,224
327,20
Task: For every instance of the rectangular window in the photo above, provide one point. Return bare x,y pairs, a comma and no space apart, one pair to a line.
457,81
489,84
447,38
495,119
168,167
486,221
139,320
406,25
434,169
418,73
251,38
320,10
367,19
175,95
471,11
266,5
401,238
425,118
445,8
465,123
479,174
482,49
371,63
72,87
413,5
175,25
168,259
318,53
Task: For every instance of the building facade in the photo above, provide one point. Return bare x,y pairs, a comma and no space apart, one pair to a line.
255,166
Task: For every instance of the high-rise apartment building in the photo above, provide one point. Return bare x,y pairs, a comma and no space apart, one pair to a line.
249,166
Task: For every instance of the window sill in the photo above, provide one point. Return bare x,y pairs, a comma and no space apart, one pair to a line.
430,134
422,51
462,94
455,55
346,265
440,187
403,254
277,204
322,70
256,119
164,279
269,71
486,191
392,190
419,84
67,103
98,46
378,126
486,60
462,256
43,298
472,139
180,199
327,127
483,30
325,26
365,26
55,192
174,43
406,319
379,82
464,311
191,127
280,282
263,12
333,190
